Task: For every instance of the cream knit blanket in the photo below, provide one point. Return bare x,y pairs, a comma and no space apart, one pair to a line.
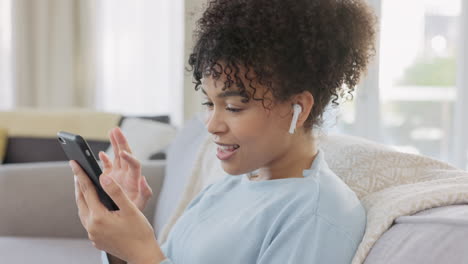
389,183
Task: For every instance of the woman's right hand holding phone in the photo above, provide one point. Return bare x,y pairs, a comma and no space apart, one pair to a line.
125,234
126,170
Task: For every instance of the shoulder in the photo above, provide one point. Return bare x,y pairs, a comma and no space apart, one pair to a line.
302,197
339,206
332,205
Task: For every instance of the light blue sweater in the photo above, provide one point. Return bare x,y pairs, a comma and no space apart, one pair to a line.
315,220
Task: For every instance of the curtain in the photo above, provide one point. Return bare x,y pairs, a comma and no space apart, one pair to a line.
140,67
5,55
53,53
118,56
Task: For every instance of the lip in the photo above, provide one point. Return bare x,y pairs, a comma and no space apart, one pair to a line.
225,155
222,144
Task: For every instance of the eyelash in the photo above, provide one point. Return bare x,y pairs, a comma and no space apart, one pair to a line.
234,110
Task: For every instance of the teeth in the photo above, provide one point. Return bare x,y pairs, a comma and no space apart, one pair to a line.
229,148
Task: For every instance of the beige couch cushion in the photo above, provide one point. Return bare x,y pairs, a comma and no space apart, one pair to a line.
46,123
38,200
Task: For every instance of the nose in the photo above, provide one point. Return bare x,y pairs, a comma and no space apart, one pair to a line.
215,122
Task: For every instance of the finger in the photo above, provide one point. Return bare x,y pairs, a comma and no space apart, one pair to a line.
83,210
116,193
145,188
115,147
122,140
146,193
123,145
106,162
134,176
87,188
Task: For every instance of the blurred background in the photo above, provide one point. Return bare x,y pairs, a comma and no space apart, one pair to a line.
130,57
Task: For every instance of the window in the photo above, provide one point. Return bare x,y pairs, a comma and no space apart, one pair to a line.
418,74
416,79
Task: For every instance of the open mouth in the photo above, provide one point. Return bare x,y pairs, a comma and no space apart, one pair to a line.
229,147
225,152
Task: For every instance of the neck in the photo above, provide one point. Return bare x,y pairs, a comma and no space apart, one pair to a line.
291,164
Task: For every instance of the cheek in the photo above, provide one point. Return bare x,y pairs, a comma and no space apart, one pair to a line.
260,131
250,127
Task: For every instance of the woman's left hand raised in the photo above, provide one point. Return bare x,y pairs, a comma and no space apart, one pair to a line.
125,233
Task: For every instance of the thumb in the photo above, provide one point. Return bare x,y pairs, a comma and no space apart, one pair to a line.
115,192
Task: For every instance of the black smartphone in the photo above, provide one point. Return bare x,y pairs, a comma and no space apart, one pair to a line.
76,148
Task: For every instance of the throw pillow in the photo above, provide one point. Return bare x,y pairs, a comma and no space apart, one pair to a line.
3,142
32,132
368,167
145,137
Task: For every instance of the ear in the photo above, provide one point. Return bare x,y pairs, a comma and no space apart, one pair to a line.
306,100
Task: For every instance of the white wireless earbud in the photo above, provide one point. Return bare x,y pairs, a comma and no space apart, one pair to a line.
297,111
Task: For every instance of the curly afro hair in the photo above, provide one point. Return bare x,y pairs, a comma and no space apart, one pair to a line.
287,46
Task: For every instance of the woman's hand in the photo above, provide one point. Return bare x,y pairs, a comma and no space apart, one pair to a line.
126,170
125,233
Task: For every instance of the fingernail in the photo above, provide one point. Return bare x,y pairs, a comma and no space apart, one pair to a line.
106,180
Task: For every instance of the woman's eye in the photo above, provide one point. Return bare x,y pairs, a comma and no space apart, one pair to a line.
235,110
208,104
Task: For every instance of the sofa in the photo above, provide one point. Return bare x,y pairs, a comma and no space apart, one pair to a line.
39,222
37,206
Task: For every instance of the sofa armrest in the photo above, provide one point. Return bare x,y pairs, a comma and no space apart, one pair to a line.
37,199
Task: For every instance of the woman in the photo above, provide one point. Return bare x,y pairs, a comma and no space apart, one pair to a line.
255,61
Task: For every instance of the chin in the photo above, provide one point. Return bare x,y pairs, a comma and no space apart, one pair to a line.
233,171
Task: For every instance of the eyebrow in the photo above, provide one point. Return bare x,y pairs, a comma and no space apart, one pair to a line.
227,94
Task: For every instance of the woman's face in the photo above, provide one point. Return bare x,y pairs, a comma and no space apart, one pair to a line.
249,136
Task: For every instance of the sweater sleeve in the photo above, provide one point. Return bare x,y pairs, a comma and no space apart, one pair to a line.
105,260
309,240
